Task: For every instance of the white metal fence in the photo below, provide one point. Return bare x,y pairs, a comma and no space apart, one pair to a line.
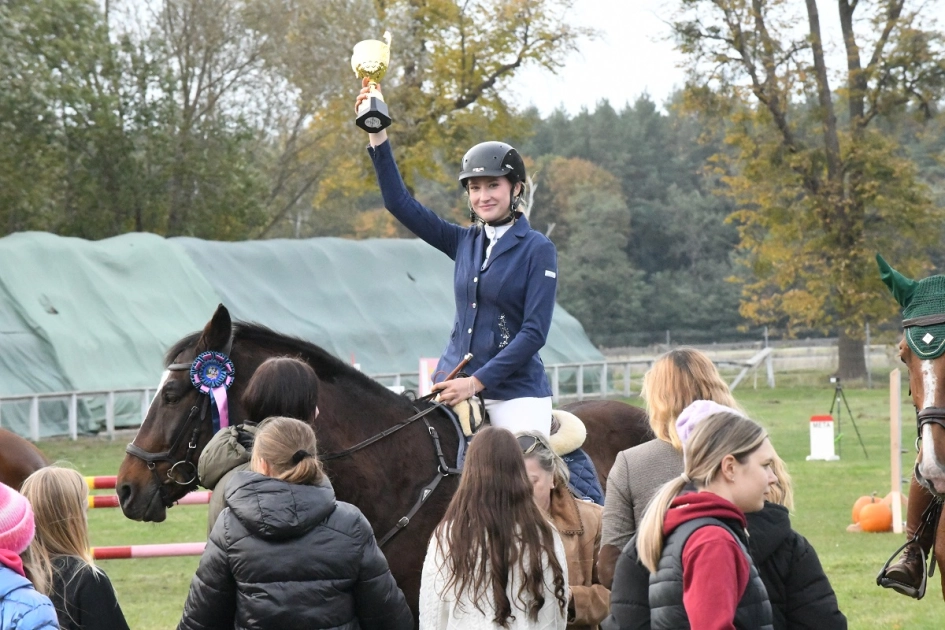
569,381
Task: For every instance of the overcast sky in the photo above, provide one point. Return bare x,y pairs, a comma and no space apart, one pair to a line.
633,55
630,57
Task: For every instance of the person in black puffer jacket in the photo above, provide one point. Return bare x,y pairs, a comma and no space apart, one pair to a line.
285,554
800,593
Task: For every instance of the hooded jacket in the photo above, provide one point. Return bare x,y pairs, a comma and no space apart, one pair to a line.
800,593
289,556
21,606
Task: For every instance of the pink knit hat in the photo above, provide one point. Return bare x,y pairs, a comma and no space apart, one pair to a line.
695,413
16,520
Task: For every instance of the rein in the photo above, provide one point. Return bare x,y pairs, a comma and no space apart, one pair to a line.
151,459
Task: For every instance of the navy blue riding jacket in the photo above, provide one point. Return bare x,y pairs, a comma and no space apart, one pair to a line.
503,310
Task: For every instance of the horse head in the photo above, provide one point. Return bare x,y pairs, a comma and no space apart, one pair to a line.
160,464
922,349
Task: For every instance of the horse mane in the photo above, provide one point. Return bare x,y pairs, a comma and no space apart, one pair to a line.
327,366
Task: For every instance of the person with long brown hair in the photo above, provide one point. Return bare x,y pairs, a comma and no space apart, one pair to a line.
286,554
80,591
494,561
676,380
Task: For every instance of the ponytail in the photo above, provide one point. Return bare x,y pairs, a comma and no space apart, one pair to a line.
650,533
288,448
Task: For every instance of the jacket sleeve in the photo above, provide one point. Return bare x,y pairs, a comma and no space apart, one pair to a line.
211,602
810,600
540,288
416,217
378,600
591,603
715,575
96,598
630,597
619,524
41,617
432,611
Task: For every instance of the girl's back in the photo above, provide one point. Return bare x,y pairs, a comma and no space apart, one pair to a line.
440,607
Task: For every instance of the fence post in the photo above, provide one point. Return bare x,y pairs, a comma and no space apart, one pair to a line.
74,416
580,382
555,384
145,406
626,380
1,414
397,380
866,356
895,447
34,418
603,380
110,415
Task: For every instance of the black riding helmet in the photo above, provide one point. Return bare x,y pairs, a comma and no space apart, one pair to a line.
492,159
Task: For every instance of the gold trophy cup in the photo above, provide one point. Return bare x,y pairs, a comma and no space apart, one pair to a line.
370,59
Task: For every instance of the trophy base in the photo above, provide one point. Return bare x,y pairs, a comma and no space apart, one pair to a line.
373,116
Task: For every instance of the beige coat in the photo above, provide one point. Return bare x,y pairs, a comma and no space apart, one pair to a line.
579,523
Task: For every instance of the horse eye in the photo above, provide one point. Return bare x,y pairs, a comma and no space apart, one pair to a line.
170,395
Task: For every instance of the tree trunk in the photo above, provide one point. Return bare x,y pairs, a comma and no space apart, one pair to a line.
852,362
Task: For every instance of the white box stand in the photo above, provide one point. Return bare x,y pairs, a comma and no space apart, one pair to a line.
822,439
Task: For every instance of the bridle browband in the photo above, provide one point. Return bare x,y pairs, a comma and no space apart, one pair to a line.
151,459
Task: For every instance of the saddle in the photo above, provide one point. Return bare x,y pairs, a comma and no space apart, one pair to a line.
567,430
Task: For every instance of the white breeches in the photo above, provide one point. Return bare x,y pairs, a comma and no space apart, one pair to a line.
520,414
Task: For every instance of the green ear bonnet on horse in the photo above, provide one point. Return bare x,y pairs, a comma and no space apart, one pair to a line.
923,309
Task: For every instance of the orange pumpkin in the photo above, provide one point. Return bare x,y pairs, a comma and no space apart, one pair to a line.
860,503
876,517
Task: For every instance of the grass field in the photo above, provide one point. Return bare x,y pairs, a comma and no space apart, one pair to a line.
152,591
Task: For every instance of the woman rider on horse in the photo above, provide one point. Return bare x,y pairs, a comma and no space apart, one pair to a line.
504,282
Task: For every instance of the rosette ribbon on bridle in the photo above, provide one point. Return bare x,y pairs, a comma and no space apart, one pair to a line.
212,373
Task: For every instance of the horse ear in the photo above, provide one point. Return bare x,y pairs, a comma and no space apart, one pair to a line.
902,287
216,334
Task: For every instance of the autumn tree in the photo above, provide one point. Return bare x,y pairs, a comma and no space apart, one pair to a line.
820,189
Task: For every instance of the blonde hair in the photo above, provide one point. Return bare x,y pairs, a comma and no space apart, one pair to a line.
547,459
717,436
781,492
676,380
59,497
288,448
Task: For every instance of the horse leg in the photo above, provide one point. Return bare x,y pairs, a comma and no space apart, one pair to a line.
909,568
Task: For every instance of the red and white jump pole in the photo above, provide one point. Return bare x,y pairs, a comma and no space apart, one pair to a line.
111,500
148,551
105,482
165,550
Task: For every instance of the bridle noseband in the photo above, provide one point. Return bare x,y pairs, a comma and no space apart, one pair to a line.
178,466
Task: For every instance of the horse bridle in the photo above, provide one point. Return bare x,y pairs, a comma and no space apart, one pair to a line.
929,415
151,459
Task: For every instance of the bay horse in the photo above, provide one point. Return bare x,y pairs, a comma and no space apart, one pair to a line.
922,350
19,459
388,465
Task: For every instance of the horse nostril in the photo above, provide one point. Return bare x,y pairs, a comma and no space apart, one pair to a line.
124,494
